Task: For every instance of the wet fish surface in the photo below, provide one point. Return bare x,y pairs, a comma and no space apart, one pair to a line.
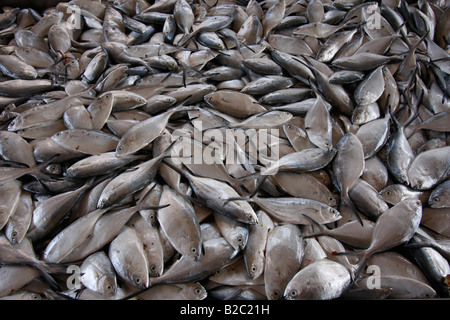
186,149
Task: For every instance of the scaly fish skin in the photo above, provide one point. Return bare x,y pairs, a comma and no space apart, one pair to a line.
187,149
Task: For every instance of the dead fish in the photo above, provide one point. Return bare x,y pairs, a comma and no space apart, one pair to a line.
439,197
178,291
13,255
374,135
16,88
396,193
318,125
86,141
284,253
20,221
217,253
130,181
293,210
327,280
15,68
348,166
51,211
371,88
130,263
145,132
383,238
138,74
429,168
99,164
72,236
186,240
236,104
254,251
98,274
364,61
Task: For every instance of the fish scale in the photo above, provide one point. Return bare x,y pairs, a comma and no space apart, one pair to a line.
99,89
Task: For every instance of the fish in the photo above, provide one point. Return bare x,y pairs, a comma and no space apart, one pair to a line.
98,274
433,167
101,102
439,197
411,210
283,258
327,280
254,251
186,240
176,291
130,264
348,166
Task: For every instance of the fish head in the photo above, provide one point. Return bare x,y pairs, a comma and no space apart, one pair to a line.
108,285
197,292
211,98
239,237
256,267
193,248
154,270
139,277
274,294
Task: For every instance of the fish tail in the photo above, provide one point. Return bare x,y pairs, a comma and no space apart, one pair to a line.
347,203
357,269
46,269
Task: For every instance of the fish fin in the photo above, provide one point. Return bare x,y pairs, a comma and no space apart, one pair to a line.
249,176
322,229
238,199
417,245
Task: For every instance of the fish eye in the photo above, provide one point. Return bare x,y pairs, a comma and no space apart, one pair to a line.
293,293
108,287
330,199
253,269
436,199
240,240
14,234
388,193
198,291
152,268
275,293
193,250
138,280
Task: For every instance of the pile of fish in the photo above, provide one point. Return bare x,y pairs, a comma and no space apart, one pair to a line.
347,196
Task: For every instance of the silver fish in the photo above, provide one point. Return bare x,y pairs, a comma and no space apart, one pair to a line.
127,256
439,197
284,253
327,280
98,274
186,240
